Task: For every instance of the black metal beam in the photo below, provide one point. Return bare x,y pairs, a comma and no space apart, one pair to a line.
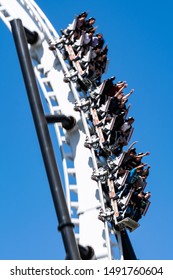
65,224
128,251
31,36
87,253
67,122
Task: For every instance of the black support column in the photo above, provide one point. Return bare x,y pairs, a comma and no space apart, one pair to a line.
128,251
65,225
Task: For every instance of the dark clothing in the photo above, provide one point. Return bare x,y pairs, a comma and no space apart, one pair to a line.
87,26
132,177
114,105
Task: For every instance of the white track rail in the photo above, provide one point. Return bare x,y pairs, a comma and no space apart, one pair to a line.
84,196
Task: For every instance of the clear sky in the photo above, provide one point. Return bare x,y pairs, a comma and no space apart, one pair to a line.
140,40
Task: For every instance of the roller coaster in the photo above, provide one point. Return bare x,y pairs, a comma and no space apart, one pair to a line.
103,197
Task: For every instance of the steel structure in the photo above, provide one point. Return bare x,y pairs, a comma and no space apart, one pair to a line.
84,197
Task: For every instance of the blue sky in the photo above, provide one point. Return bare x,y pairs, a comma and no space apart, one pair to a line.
140,40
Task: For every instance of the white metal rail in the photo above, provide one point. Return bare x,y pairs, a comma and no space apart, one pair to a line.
84,196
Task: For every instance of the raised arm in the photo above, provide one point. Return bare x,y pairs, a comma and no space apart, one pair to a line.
120,90
143,155
125,97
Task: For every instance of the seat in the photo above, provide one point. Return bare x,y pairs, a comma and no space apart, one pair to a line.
130,224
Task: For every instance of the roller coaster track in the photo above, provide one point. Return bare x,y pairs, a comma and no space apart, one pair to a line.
84,196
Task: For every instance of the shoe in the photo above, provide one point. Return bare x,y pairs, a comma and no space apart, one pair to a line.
115,197
101,218
87,145
52,47
99,124
66,80
76,58
94,177
105,143
77,109
111,177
